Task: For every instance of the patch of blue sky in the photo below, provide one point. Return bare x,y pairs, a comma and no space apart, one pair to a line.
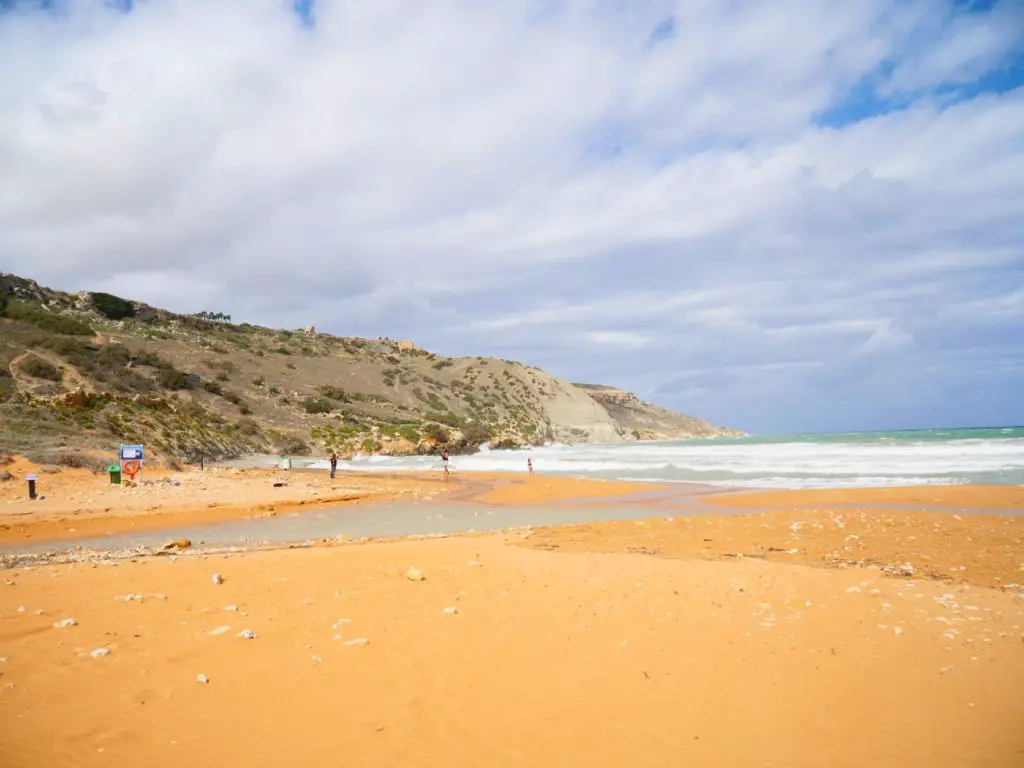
866,99
306,11
662,31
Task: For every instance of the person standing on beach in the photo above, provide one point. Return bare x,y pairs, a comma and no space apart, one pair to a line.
334,464
529,464
444,462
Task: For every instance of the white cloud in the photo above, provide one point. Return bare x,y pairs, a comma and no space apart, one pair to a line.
525,175
617,339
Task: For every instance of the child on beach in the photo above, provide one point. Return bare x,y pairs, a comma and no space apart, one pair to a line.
529,464
444,462
334,464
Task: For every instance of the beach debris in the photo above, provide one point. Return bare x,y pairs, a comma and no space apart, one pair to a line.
100,652
217,578
201,678
852,590
897,631
414,574
231,607
220,630
22,608
65,623
905,570
357,641
247,634
340,623
178,544
451,610
131,597
474,564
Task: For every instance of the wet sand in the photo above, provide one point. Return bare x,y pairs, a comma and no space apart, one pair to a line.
76,504
992,497
840,630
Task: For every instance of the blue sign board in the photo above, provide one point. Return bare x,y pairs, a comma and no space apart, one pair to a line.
131,453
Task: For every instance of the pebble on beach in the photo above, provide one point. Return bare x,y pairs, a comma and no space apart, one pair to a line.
100,652
414,574
217,578
65,623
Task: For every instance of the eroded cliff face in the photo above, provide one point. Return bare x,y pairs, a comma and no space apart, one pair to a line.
568,414
646,421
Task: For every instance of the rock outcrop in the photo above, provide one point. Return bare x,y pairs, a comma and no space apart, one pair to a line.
646,421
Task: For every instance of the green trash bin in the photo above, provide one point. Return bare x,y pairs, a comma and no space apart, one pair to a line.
115,474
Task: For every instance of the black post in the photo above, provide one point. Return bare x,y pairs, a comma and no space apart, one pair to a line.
32,489
201,464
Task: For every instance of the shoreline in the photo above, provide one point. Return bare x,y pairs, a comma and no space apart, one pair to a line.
76,505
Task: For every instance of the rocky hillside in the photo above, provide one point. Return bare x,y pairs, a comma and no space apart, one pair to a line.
646,421
87,370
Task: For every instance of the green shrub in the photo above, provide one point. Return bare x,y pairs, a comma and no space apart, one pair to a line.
436,432
410,433
290,445
213,388
112,307
248,427
38,368
33,313
334,393
152,359
172,378
476,434
316,405
370,445
446,417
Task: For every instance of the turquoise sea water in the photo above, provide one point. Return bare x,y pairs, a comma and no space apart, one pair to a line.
991,456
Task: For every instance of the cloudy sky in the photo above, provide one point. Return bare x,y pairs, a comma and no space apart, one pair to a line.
786,216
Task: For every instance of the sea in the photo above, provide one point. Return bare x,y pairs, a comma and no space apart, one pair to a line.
839,460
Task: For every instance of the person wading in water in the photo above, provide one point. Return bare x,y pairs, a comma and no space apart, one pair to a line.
334,464
444,461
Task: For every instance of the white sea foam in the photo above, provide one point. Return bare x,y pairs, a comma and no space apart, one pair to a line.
926,458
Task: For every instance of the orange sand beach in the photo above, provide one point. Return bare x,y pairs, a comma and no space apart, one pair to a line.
812,629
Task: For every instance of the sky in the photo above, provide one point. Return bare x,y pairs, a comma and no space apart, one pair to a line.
792,216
